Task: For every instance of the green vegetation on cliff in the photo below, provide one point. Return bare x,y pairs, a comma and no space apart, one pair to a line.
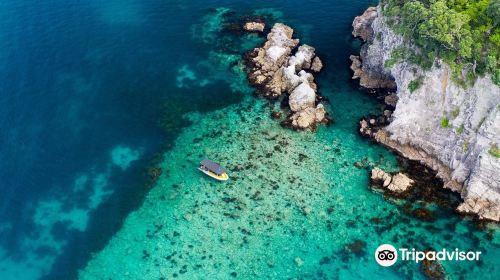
494,151
463,33
415,84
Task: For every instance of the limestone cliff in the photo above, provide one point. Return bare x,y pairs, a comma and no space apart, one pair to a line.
449,128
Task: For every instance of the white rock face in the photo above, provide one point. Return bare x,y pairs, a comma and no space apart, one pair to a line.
400,183
302,58
458,151
317,64
275,52
302,97
281,35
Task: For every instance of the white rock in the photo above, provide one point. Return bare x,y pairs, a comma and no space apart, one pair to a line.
276,71
320,113
275,52
254,26
397,183
302,97
302,58
400,183
316,65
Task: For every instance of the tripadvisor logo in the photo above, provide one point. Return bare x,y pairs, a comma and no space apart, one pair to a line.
387,255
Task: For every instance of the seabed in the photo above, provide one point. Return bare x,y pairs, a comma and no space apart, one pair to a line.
294,207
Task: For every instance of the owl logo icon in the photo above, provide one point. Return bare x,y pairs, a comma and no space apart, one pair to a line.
386,255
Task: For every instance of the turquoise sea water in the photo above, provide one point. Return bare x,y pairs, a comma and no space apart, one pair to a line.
92,91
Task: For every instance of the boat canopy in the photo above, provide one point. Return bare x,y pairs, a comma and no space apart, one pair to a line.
212,166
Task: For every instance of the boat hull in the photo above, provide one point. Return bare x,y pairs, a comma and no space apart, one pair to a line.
222,177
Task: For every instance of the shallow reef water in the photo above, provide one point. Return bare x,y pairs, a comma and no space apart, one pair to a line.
295,206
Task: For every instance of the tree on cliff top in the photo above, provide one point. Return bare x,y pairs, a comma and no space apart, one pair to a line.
464,33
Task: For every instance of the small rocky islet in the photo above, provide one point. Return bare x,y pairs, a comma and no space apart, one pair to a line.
276,71
293,206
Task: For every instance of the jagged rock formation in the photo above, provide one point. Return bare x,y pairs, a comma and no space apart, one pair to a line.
276,71
369,69
316,65
446,127
391,99
361,25
369,78
397,183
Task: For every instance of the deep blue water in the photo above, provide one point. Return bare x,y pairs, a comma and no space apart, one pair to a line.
79,79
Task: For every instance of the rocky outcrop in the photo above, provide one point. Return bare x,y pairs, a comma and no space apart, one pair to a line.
484,208
316,65
361,26
371,72
253,26
308,117
397,183
268,62
391,99
276,71
368,78
444,126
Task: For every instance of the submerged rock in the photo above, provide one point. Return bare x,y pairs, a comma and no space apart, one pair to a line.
298,261
357,247
275,115
391,99
423,214
432,269
276,71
